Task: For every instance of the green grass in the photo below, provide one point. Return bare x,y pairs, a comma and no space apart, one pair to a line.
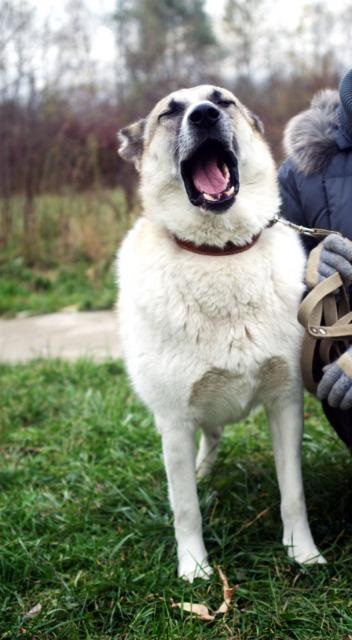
31,291
68,260
86,530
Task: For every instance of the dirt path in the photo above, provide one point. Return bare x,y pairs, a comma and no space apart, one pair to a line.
67,335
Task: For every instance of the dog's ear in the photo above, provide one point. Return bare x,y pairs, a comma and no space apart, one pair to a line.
258,125
131,142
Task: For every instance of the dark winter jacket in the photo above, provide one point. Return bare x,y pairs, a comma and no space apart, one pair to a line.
316,179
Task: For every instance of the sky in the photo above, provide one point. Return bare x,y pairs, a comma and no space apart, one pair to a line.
284,14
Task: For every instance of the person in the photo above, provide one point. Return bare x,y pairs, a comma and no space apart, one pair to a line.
316,191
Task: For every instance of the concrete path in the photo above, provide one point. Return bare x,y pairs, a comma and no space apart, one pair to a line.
66,334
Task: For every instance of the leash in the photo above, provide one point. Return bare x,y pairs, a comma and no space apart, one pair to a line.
331,339
328,340
231,248
306,231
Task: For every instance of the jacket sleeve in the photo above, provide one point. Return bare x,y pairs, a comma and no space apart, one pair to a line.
291,205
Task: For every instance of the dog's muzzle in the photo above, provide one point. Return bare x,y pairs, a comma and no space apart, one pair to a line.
210,170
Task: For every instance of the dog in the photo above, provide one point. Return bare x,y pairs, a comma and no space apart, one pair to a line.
209,294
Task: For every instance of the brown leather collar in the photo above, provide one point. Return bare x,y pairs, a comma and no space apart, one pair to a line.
228,249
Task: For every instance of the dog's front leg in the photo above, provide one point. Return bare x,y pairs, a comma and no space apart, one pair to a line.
179,457
286,423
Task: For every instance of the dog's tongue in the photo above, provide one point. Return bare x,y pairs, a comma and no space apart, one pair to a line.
208,178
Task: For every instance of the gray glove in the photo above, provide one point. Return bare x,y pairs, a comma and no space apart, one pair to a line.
336,383
331,255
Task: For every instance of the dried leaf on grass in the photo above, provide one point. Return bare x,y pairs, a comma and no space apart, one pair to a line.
35,611
227,591
201,611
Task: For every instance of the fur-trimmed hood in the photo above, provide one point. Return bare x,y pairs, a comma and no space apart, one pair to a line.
310,137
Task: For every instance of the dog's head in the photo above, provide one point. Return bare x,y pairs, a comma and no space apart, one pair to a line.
201,151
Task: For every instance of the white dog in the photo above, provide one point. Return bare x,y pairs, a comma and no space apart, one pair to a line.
208,301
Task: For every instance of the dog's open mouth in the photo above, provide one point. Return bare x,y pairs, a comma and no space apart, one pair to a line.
210,176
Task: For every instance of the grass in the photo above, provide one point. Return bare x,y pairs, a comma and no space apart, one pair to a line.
68,260
86,530
31,291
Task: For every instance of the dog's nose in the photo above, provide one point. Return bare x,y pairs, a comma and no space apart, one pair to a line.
204,115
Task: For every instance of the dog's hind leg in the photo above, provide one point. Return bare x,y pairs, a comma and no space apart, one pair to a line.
179,457
286,423
207,452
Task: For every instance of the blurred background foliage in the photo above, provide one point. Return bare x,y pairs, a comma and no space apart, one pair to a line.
66,199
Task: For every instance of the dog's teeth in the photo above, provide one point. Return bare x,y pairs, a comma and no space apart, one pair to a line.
218,196
225,171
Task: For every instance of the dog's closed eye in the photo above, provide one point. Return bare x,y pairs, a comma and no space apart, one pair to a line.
175,108
219,99
226,103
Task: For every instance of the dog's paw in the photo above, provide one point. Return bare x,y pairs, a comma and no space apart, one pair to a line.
310,558
189,570
305,556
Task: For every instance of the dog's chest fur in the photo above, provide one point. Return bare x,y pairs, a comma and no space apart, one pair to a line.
211,335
